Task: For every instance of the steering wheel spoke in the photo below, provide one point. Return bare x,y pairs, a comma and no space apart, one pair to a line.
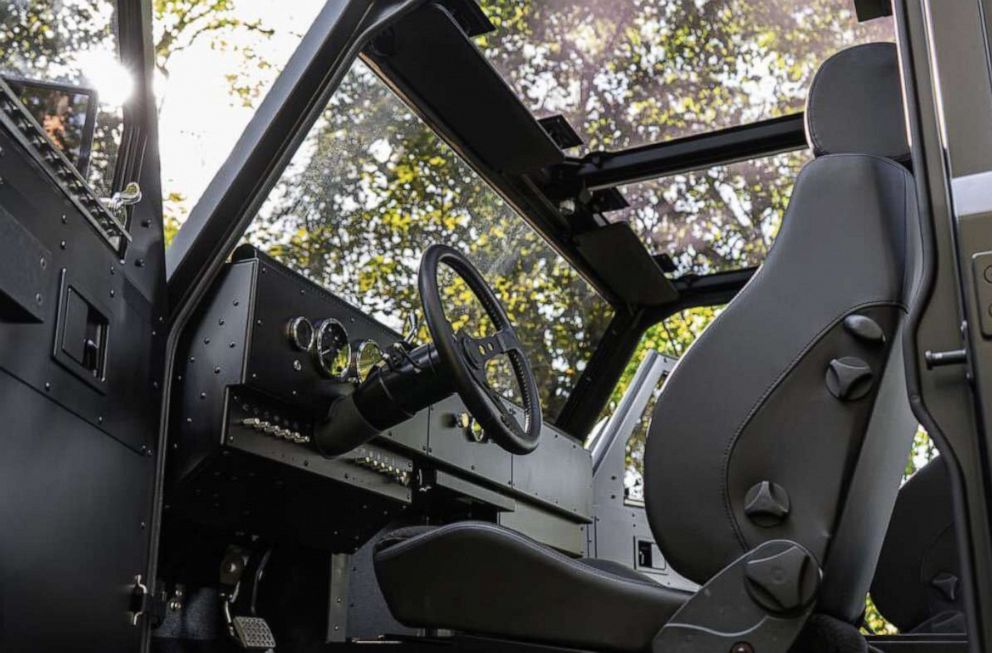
480,351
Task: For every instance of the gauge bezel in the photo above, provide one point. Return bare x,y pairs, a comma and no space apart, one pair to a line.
319,357
357,351
293,335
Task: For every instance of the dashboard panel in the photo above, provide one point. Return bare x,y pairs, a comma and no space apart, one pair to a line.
252,389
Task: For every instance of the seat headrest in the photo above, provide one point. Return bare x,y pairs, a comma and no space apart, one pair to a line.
855,104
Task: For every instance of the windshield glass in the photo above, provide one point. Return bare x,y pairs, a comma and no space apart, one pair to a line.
61,57
715,219
372,187
629,72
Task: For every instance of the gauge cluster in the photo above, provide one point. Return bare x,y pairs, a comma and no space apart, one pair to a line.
335,353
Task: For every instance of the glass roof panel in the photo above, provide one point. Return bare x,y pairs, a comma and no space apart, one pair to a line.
630,72
715,219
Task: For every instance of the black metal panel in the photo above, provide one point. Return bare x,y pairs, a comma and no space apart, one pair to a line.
24,272
242,457
449,444
73,504
558,474
273,365
119,400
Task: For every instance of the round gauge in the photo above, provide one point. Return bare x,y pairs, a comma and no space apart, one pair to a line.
332,350
299,330
365,357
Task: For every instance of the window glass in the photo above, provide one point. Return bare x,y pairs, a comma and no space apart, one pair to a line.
715,219
629,72
61,57
372,187
214,64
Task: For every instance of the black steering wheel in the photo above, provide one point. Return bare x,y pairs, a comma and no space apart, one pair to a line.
466,356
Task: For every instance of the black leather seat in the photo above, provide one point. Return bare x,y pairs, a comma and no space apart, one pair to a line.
917,584
787,419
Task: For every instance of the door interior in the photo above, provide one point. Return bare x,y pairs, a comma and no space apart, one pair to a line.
81,287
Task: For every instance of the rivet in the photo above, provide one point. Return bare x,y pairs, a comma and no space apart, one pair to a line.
220,321
99,419
112,292
62,244
43,262
48,386
38,299
139,263
216,370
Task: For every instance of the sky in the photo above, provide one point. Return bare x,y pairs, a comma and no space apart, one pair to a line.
199,120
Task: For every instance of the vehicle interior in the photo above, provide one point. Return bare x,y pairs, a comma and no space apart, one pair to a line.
430,367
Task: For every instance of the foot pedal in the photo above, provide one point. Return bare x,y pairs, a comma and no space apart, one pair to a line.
240,572
253,633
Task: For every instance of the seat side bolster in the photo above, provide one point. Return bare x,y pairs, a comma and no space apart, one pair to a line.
482,578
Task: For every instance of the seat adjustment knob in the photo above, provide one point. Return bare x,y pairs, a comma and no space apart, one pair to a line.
864,328
766,504
947,584
783,582
849,378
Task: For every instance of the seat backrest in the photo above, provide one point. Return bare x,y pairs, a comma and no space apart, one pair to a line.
917,584
788,417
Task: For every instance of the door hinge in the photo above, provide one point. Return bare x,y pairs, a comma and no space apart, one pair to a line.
139,600
144,604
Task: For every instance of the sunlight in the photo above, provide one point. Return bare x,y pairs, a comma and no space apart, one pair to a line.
104,71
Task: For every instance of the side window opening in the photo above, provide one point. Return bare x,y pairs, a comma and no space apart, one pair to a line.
670,337
68,73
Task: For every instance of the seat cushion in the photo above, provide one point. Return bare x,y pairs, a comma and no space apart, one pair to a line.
483,578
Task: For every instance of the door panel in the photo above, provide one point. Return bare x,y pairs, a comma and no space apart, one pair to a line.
78,406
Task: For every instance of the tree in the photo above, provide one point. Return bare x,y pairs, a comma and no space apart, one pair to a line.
372,187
